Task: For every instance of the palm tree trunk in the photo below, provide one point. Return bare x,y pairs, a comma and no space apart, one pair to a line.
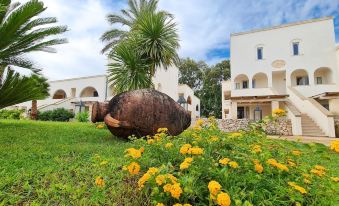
2,70
34,110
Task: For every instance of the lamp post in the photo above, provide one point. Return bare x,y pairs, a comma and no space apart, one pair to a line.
182,101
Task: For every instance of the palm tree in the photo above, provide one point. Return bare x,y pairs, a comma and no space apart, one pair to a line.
128,71
126,18
16,89
158,40
41,82
154,38
22,32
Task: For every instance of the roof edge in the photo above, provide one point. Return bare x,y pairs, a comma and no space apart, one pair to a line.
283,25
78,78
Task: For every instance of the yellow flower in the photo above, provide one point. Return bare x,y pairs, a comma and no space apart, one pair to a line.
172,178
160,179
196,151
335,179
223,199
174,189
187,162
335,146
307,181
168,145
271,162
233,164
319,173
99,181
150,141
199,122
214,187
160,204
185,148
291,163
256,148
177,204
103,163
162,130
135,153
319,167
297,187
133,168
258,168
214,139
279,112
224,161
100,126
236,134
151,171
296,152
187,204
276,164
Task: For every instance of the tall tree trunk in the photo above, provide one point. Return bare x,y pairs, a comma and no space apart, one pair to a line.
2,71
34,110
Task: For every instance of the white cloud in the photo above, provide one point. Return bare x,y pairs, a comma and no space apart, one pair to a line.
204,26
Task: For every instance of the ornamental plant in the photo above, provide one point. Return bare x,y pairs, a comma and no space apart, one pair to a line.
205,166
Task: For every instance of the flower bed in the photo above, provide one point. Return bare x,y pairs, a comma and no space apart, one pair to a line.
204,166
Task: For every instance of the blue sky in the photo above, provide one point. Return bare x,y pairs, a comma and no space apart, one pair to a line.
204,28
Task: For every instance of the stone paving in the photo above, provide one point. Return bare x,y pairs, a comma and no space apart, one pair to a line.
306,139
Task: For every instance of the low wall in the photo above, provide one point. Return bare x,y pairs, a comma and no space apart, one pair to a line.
282,126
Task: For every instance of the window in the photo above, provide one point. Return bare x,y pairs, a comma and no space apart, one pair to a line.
259,53
319,80
197,108
244,84
302,80
237,85
296,48
253,83
95,94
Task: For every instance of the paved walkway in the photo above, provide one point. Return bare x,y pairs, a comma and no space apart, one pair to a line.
306,139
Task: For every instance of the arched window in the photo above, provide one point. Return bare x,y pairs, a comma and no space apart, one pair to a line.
89,92
260,80
189,100
241,82
60,94
323,75
299,77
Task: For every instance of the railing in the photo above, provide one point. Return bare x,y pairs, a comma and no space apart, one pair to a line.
295,116
313,109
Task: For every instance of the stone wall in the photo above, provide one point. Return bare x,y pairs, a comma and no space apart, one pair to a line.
336,122
282,126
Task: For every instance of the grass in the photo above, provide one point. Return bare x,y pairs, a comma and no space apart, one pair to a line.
49,163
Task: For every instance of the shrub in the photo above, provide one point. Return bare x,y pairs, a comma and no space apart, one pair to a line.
59,115
82,117
11,114
204,166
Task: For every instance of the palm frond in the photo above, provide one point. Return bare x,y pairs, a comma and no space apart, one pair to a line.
17,89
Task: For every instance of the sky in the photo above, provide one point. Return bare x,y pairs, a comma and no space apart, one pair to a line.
204,28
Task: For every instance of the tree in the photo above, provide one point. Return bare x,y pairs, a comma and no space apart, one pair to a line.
128,71
22,32
154,38
210,94
127,18
191,73
40,82
16,89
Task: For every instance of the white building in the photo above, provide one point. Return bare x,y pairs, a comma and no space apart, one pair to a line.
80,93
294,67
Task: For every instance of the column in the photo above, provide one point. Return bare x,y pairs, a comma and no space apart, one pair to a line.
234,110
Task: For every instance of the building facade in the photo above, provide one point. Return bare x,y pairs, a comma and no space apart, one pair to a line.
293,67
79,94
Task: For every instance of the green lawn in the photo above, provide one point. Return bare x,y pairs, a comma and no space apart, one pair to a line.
49,163
56,164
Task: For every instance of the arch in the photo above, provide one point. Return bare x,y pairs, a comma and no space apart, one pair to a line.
60,94
89,92
197,108
189,100
299,77
260,80
323,75
241,81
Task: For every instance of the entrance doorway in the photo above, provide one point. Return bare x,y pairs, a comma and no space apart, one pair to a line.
279,81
